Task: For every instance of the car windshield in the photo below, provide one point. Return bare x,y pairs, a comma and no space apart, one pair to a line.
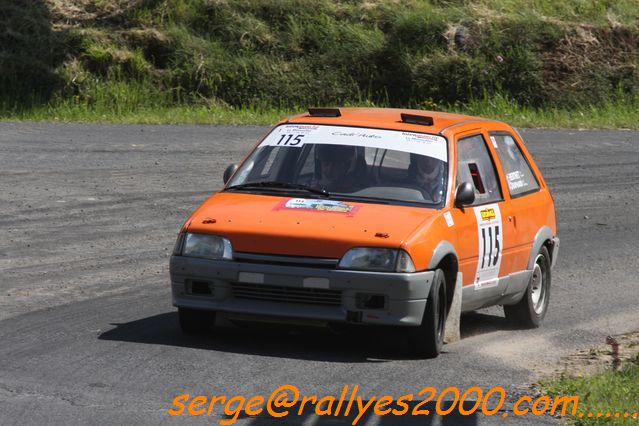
354,163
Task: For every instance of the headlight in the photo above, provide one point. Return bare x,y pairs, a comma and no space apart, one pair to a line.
207,246
177,248
377,259
404,262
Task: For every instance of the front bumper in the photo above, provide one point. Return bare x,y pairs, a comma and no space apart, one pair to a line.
297,292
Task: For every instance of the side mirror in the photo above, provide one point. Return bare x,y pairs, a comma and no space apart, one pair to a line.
230,170
464,195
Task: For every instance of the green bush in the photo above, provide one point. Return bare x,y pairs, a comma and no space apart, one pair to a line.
288,53
30,52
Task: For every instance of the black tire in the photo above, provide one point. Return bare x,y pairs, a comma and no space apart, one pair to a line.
427,340
193,321
531,309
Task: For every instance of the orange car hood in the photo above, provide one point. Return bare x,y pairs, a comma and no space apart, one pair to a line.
303,226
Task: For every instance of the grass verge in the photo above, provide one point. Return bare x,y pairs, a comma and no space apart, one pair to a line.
611,397
620,115
153,115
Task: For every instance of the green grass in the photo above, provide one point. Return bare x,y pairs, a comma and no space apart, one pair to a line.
623,115
158,115
611,392
608,115
550,63
571,11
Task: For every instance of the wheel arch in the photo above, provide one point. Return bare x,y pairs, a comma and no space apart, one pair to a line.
544,237
445,258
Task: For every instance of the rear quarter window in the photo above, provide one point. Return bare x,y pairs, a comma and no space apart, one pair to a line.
519,176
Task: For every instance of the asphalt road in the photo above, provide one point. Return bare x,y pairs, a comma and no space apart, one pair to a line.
88,216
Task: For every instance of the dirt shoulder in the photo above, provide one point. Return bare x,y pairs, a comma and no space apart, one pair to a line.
596,360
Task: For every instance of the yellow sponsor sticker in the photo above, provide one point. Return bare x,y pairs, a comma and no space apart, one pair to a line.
487,214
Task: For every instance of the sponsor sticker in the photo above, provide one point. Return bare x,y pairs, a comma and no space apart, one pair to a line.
449,219
486,284
512,176
517,184
516,180
318,205
487,214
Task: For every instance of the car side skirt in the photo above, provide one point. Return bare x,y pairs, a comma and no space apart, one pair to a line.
509,290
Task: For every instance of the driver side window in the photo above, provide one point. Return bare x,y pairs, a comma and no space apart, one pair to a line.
474,165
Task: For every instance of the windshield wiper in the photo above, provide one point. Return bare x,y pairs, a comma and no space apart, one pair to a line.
363,199
280,185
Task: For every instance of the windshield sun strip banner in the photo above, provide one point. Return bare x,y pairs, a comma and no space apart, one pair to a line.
298,135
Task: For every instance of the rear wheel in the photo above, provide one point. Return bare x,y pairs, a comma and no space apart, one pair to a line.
194,321
427,339
530,311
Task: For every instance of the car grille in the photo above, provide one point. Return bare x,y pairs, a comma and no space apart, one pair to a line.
270,259
306,296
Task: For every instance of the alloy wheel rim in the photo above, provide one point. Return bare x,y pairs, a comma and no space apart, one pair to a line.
538,286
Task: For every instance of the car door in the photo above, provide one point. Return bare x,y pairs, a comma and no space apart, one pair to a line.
483,241
526,209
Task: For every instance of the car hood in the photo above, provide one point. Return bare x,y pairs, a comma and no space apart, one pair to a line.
304,226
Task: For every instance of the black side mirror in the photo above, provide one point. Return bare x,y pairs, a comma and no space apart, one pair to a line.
230,170
464,195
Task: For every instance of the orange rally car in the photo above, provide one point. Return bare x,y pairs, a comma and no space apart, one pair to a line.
375,217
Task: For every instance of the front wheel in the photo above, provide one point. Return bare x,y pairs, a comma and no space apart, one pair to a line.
194,321
530,311
427,339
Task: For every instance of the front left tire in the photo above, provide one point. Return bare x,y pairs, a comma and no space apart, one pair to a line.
427,339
